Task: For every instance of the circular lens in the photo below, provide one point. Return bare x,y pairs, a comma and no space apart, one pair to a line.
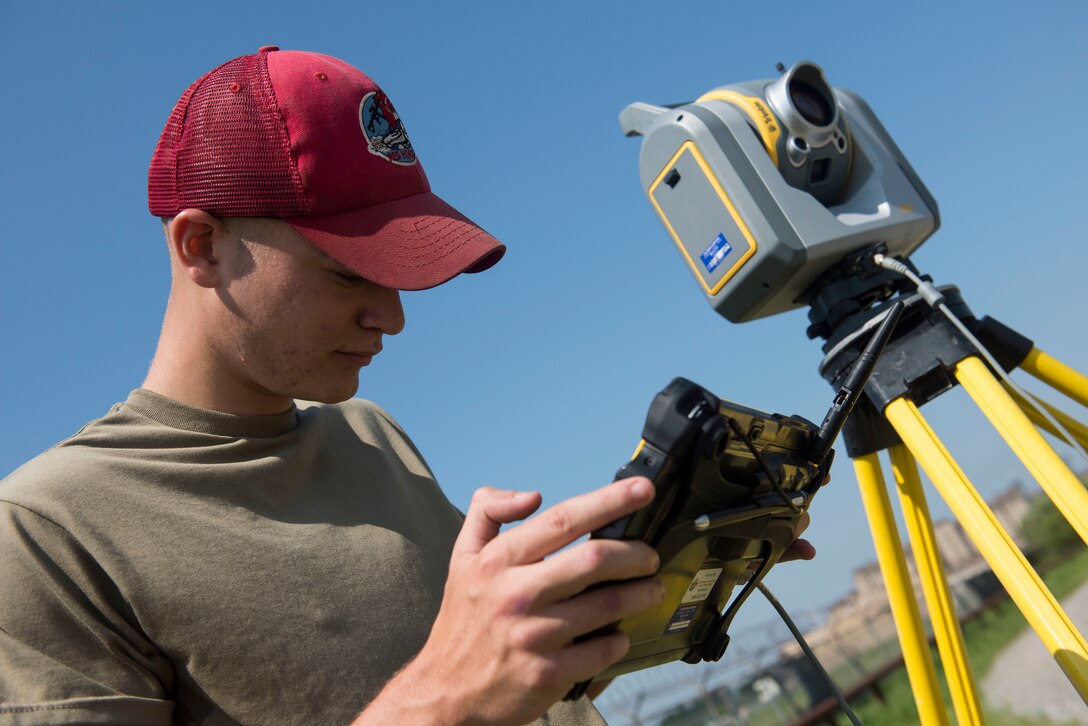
811,104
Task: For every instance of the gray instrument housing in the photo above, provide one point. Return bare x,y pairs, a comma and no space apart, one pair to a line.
795,236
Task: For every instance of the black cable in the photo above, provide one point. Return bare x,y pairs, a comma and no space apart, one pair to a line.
808,651
936,300
733,424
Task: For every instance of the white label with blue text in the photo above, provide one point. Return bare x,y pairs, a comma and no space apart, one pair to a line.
701,585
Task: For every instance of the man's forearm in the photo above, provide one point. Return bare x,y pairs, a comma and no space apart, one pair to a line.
407,699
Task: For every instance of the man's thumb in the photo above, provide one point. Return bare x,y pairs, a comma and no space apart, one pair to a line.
490,509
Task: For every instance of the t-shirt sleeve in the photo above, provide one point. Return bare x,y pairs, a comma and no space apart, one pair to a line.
572,713
71,650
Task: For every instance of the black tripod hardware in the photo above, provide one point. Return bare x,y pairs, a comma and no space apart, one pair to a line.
732,484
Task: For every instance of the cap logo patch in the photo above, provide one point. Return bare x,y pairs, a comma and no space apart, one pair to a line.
384,131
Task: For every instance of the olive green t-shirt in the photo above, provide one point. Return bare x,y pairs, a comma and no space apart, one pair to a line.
171,564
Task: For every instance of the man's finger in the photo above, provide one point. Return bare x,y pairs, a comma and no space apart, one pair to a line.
801,549
587,658
559,625
558,526
489,510
596,608
802,525
588,563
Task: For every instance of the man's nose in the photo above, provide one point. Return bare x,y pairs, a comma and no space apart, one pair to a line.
383,311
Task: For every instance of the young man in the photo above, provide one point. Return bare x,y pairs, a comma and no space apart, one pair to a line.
211,552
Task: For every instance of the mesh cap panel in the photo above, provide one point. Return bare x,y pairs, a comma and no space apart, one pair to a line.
225,149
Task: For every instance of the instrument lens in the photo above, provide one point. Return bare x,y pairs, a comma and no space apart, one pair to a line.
811,104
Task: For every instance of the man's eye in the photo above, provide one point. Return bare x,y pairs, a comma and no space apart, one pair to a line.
348,278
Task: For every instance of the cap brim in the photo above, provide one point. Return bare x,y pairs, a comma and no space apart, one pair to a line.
407,244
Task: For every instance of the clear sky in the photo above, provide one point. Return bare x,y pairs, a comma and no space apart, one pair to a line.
538,373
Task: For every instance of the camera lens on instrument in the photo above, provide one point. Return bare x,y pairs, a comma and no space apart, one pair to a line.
810,103
815,155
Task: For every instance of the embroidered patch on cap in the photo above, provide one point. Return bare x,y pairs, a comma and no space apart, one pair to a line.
384,131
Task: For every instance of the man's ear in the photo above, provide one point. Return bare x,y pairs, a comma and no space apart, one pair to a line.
196,240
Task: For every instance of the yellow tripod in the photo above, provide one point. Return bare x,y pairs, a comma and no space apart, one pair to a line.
928,358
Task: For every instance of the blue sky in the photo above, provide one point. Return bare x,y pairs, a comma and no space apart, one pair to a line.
538,373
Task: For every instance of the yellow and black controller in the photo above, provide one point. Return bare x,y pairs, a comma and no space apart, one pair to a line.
732,484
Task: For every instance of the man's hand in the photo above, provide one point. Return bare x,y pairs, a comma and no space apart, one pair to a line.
801,549
502,648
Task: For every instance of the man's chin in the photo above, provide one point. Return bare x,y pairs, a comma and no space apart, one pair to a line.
333,394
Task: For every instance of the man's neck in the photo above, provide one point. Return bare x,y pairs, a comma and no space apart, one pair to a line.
186,369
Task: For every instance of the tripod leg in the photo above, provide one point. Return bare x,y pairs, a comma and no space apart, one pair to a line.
1031,596
1061,485
908,619
942,613
1057,375
1031,407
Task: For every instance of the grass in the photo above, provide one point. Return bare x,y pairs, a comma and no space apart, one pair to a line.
984,637
988,634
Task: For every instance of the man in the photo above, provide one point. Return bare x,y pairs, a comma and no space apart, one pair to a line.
211,552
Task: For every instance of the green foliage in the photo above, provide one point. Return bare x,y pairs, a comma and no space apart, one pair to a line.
688,714
1047,532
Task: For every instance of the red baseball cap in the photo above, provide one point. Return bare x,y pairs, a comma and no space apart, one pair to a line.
308,139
